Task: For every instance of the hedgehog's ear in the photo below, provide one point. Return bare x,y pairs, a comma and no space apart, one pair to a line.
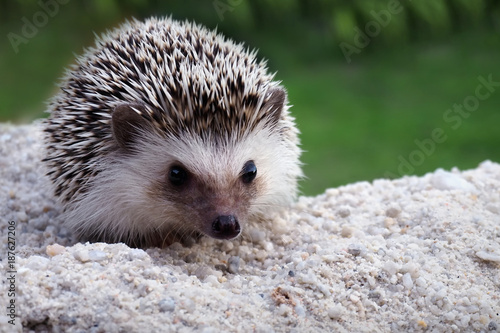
276,98
127,124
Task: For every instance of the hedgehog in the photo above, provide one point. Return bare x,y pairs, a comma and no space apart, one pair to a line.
165,131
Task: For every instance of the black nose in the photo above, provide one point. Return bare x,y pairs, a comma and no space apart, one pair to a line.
225,227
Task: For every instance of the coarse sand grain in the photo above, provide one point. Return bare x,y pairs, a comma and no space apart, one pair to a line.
416,254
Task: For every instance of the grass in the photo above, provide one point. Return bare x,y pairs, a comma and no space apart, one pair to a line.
357,120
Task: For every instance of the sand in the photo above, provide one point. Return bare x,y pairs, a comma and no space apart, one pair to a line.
416,254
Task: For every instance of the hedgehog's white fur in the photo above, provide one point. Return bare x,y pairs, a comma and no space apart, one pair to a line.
191,97
126,189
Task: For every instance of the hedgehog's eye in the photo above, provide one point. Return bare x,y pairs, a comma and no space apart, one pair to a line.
177,175
249,172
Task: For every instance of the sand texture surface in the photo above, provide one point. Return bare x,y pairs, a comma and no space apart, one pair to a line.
416,254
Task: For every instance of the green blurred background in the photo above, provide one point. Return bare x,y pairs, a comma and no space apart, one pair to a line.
370,81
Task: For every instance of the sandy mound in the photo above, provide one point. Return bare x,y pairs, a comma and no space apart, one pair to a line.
413,254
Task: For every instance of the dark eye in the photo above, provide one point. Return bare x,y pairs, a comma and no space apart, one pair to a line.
249,172
177,175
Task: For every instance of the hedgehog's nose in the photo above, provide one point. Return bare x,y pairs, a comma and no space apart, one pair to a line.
225,227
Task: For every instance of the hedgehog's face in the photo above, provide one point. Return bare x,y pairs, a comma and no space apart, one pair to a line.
193,184
208,189
215,208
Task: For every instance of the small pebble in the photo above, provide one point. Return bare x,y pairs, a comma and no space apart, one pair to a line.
37,262
191,258
494,257
202,272
166,305
233,265
344,212
21,216
188,241
407,281
97,255
392,212
221,267
444,180
300,311
335,312
68,320
212,280
257,235
374,294
391,268
54,249
346,231
227,246
137,254
81,255
355,249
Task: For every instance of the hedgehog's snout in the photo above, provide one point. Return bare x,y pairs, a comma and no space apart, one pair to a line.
225,227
